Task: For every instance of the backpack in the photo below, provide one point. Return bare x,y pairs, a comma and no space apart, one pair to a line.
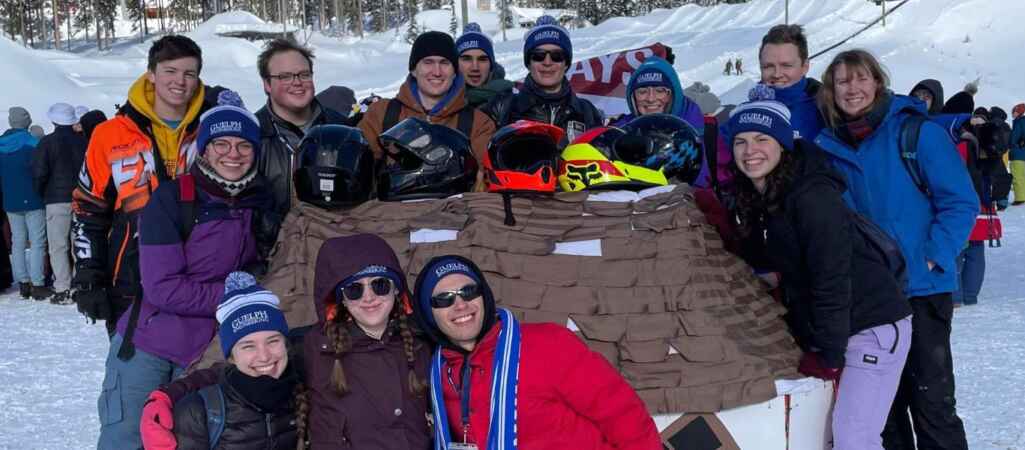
213,399
884,245
908,145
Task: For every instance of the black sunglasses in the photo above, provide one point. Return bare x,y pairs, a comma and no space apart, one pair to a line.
557,56
447,298
354,291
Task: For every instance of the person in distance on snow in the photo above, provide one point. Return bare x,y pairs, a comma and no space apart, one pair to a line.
193,232
845,307
258,390
497,384
365,370
484,77
864,121
546,95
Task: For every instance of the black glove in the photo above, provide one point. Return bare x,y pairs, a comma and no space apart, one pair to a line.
94,303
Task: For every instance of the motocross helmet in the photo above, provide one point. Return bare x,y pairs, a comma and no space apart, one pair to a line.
660,149
427,161
586,164
522,156
336,167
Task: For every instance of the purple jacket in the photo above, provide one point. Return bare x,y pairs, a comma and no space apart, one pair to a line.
183,282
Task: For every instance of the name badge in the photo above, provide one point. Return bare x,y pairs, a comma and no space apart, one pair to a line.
458,446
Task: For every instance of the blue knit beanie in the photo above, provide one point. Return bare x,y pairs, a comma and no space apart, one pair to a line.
651,76
247,308
474,38
432,274
547,31
762,114
228,120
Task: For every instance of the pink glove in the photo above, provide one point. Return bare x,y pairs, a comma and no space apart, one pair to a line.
157,423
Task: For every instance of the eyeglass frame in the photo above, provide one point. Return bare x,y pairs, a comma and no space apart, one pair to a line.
289,77
373,284
655,91
236,146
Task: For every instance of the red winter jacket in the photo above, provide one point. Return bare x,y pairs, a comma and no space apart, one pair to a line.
568,396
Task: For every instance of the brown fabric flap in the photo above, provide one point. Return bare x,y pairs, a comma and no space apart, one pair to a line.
481,234
555,270
699,323
627,248
658,221
607,350
646,327
538,316
635,300
573,299
680,243
519,293
599,272
700,349
601,328
652,374
612,209
644,351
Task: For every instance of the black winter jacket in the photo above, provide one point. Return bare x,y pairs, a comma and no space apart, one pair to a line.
279,159
56,162
246,426
567,111
834,284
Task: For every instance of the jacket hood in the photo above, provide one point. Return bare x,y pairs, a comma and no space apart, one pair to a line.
429,327
814,171
90,120
340,258
662,66
936,88
904,104
15,139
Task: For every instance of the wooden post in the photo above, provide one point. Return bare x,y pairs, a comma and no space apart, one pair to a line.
786,19
884,12
466,14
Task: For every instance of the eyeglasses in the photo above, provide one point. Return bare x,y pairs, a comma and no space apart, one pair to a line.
557,56
223,147
655,91
448,298
380,286
289,77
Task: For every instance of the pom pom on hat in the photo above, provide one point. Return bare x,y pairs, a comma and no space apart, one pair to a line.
474,38
547,31
761,92
247,308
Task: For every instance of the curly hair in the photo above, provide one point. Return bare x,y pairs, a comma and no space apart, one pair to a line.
751,204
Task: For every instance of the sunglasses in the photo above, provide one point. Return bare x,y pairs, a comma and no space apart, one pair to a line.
447,298
557,56
380,286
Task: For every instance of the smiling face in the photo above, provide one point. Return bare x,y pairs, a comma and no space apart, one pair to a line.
231,157
756,155
855,90
175,82
462,321
293,95
652,99
261,353
548,74
434,75
371,311
781,65
475,66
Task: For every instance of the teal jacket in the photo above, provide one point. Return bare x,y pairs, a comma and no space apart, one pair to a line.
16,148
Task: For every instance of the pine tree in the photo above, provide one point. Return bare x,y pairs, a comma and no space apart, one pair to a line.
432,4
453,23
413,31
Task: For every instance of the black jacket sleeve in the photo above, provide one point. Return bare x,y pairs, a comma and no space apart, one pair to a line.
190,429
41,166
183,387
825,231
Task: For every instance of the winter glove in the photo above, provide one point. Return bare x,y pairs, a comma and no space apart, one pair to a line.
812,365
94,303
157,422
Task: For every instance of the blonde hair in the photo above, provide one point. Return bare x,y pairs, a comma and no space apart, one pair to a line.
852,59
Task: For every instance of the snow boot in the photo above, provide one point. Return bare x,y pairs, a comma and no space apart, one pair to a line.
25,289
62,298
41,293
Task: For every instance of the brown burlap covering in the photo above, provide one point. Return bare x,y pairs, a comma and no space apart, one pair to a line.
683,320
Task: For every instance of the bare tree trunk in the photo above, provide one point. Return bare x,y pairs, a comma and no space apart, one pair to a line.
160,15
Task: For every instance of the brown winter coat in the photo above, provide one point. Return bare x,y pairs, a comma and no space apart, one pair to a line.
379,412
373,122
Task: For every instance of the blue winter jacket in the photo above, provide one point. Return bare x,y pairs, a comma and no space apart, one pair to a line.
682,107
16,147
804,112
927,229
1018,140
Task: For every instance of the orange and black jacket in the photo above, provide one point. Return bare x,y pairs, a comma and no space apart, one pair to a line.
120,172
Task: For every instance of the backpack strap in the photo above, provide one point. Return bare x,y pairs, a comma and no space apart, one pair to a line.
187,203
711,143
213,399
391,114
909,132
465,124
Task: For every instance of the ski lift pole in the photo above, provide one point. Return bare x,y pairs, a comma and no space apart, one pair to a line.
884,12
786,13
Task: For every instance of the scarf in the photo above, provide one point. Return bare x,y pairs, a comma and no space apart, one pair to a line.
505,373
266,393
856,130
227,188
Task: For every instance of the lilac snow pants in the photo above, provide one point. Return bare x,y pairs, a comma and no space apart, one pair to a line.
875,359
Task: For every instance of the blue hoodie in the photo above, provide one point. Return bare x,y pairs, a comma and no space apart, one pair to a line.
16,147
1017,138
682,107
804,112
879,187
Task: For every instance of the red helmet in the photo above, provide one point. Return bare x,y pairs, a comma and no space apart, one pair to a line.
522,157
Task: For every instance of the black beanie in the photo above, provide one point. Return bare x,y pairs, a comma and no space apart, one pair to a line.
433,43
960,103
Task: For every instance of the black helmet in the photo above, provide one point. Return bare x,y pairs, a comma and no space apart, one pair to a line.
428,161
662,142
336,167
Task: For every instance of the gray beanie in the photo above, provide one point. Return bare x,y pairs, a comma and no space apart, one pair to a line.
703,96
18,117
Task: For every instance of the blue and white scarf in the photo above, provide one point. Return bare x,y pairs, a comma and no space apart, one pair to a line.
505,377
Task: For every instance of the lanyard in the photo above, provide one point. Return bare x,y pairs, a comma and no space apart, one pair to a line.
464,394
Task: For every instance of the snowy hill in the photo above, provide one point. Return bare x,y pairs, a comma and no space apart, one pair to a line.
954,41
